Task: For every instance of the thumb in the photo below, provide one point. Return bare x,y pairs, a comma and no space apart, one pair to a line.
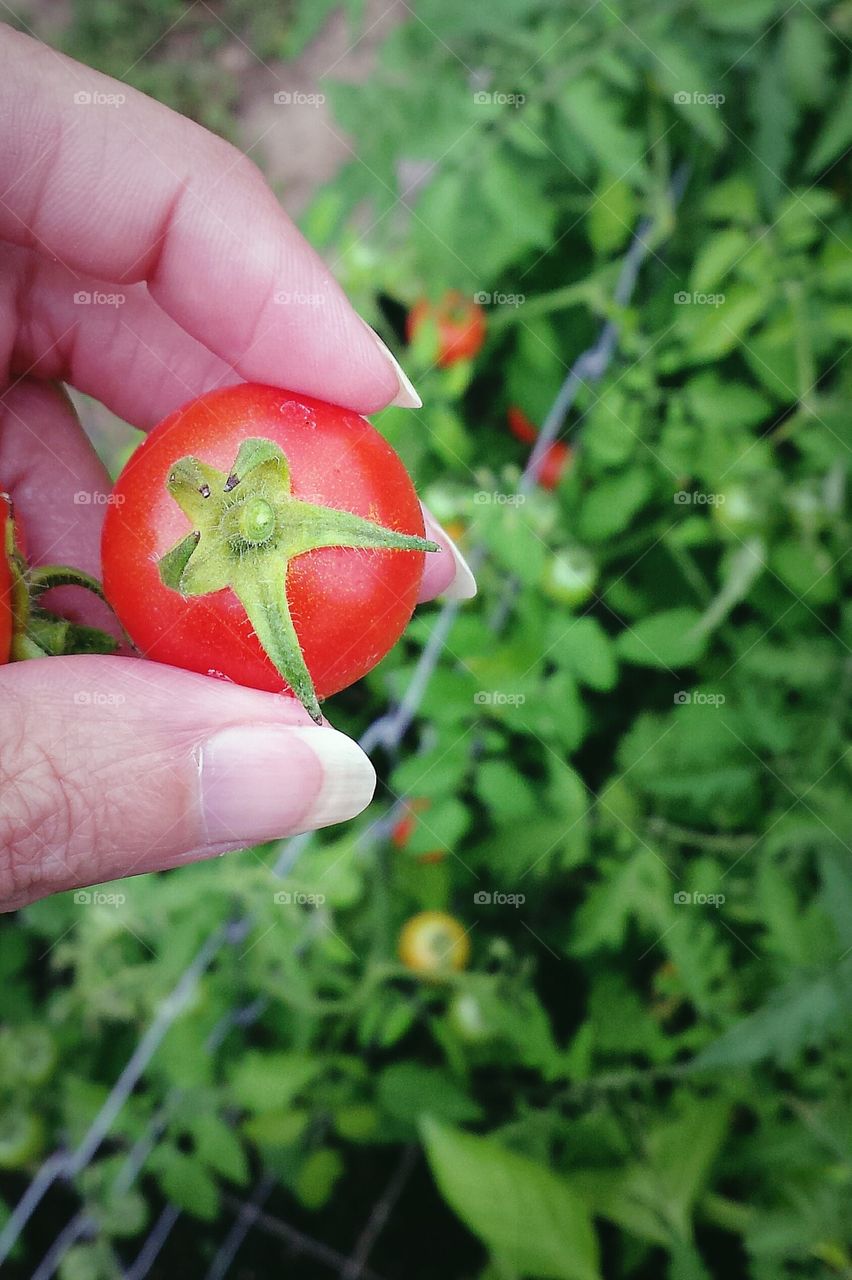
114,766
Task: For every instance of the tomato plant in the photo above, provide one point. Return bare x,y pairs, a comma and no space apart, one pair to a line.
433,942
268,538
458,323
27,629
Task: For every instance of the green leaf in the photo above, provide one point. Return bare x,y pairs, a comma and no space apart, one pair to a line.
218,1147
586,650
612,503
835,135
715,400
792,1019
318,1176
520,1210
670,639
611,217
806,47
679,73
593,115
504,792
712,330
263,1081
775,114
808,570
625,891
185,1181
717,256
408,1091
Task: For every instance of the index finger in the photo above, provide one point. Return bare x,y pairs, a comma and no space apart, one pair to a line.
117,186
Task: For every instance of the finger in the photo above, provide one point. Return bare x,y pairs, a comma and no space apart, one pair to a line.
114,343
117,186
59,489
111,767
446,573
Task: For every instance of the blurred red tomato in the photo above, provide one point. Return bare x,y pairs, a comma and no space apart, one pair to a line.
459,323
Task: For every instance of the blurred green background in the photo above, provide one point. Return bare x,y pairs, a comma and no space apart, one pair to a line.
639,728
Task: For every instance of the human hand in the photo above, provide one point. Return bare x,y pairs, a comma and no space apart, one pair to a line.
114,766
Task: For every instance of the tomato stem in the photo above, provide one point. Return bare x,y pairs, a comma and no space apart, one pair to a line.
247,527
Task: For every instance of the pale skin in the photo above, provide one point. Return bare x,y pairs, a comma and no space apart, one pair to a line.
115,766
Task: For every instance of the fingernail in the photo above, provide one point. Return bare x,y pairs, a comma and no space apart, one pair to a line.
262,782
406,397
462,586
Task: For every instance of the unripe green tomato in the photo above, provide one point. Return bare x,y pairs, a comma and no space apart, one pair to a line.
467,1019
570,576
808,507
21,1136
740,512
36,1054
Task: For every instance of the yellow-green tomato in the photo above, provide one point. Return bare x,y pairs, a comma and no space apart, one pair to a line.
433,943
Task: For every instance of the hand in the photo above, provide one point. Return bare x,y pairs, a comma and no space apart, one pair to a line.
132,200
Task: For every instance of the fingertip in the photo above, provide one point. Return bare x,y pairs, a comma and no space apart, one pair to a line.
446,574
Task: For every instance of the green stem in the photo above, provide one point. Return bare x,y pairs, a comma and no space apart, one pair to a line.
48,576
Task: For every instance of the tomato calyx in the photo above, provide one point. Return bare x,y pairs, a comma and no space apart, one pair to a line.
35,631
247,527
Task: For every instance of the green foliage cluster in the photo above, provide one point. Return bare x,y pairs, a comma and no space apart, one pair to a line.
645,1071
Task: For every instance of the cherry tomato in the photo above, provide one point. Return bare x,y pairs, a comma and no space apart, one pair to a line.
21,1138
434,943
553,464
520,426
468,1019
740,512
557,456
570,576
406,825
266,538
459,323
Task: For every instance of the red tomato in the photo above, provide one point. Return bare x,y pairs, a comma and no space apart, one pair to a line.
556,457
460,325
553,464
315,529
405,826
520,425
